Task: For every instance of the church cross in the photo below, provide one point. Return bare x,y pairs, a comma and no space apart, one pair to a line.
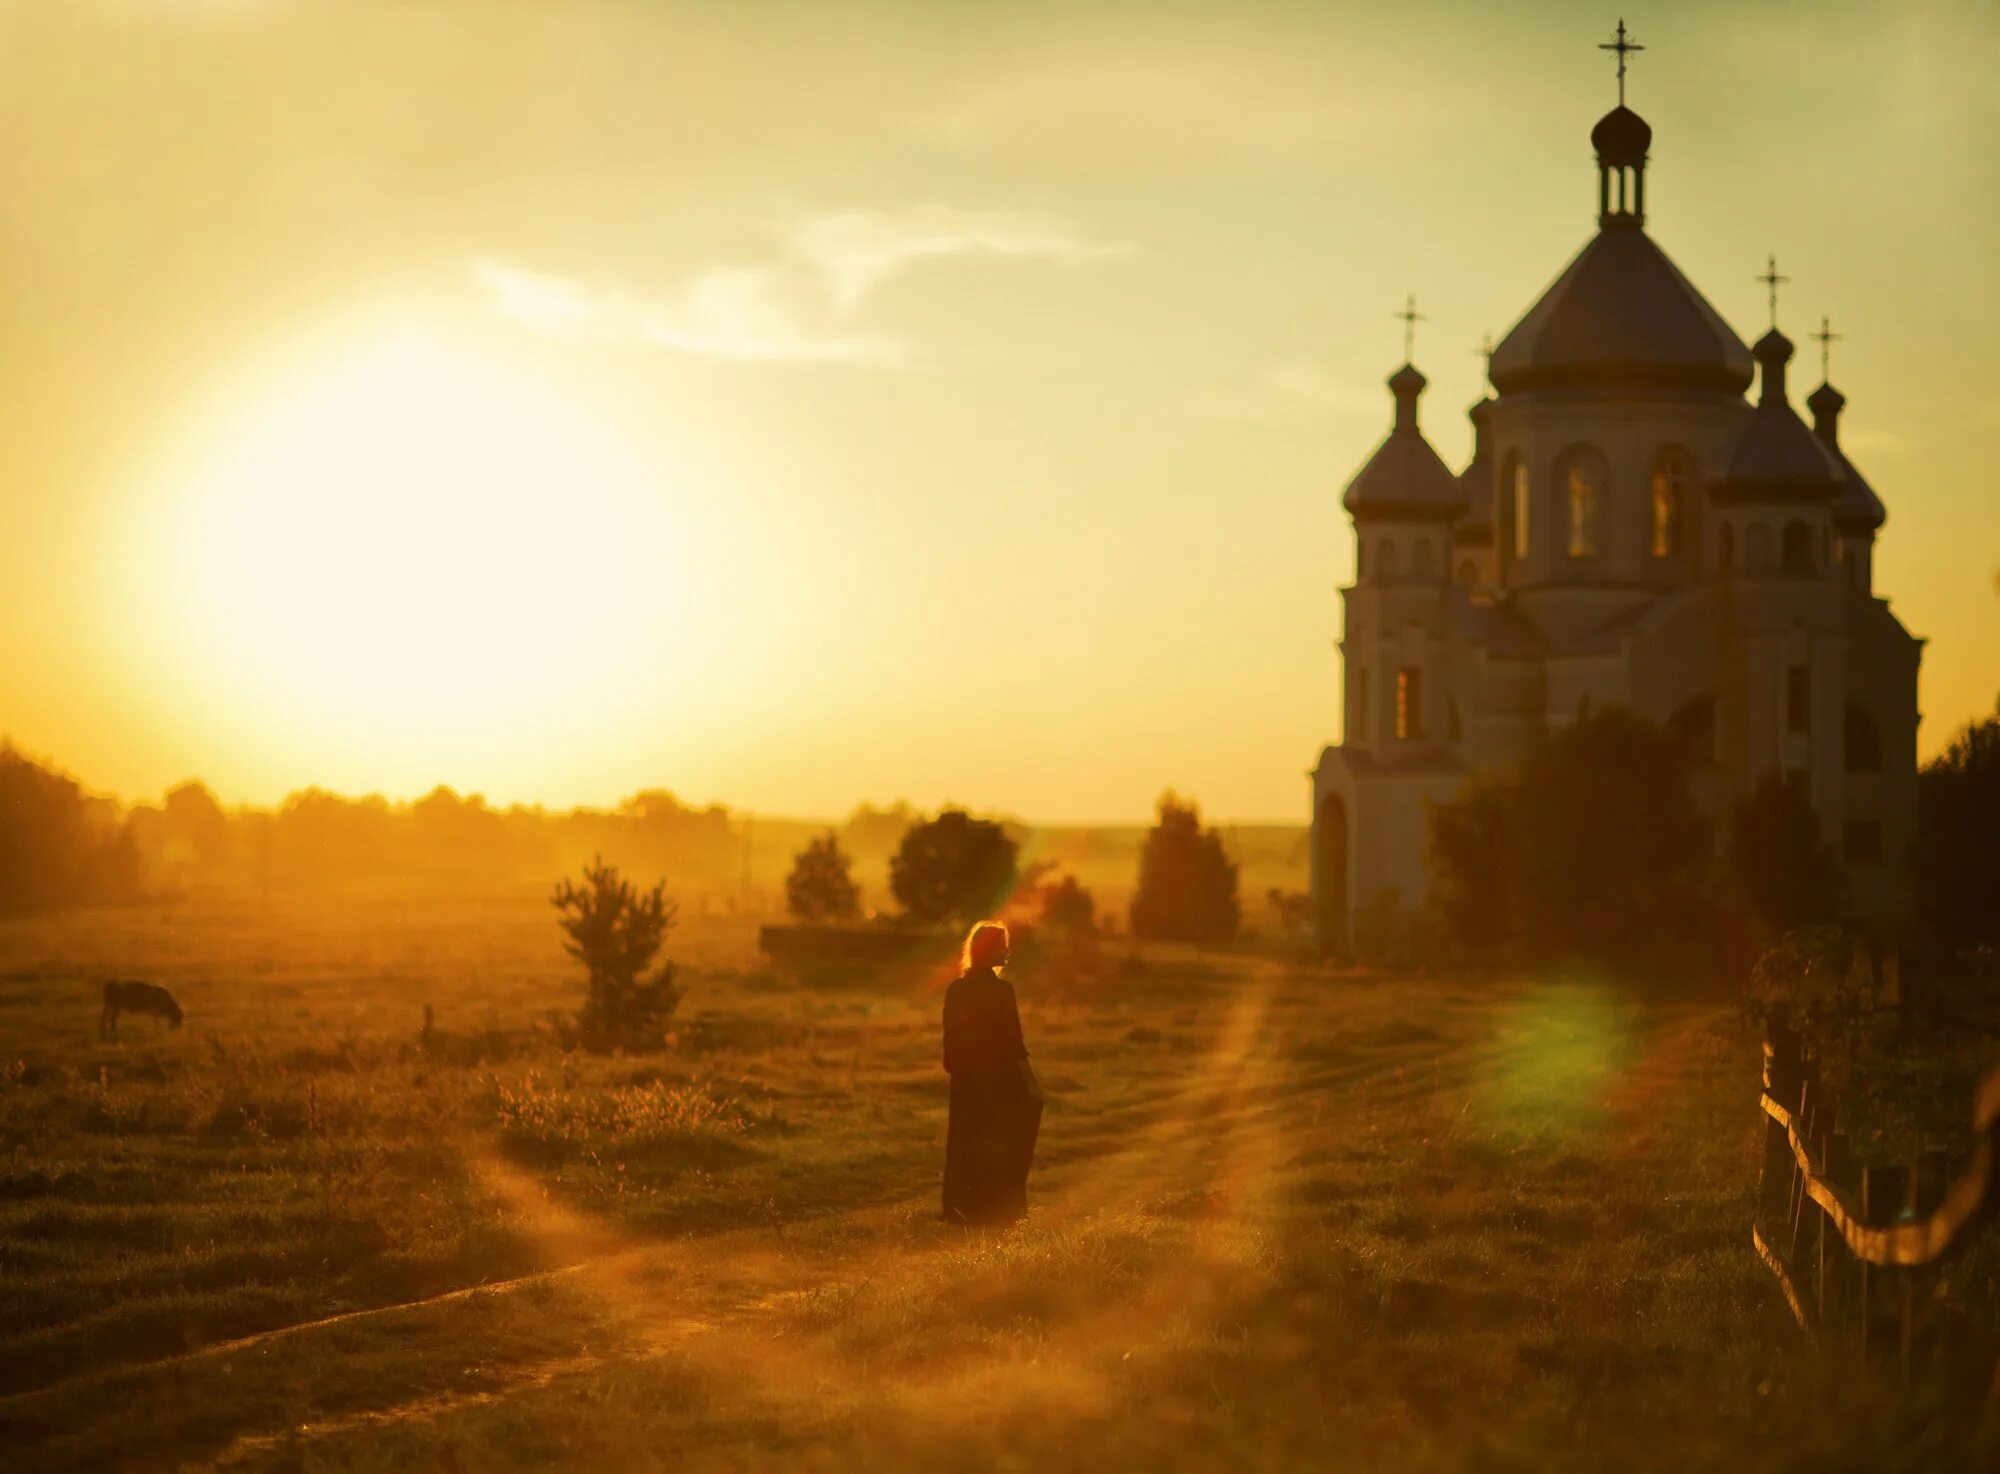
1622,46
1773,281
1826,337
1485,351
1410,318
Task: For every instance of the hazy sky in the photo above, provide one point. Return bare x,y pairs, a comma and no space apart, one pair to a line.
799,404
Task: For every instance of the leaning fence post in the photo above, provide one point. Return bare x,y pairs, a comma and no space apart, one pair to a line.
1884,1191
1830,1242
1781,1084
1802,1123
1927,1189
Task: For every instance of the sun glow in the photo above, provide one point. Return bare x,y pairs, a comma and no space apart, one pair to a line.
410,549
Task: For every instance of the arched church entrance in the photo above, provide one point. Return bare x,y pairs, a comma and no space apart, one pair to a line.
1330,874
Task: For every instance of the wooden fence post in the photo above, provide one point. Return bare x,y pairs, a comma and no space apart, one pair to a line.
1927,1188
1834,1276
1884,1191
1782,1084
1802,1119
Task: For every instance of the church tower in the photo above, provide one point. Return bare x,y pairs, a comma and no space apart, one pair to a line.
1629,532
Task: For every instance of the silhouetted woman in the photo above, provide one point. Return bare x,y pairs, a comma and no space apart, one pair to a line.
996,1102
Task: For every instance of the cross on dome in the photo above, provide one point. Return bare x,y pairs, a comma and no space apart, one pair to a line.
1622,46
1410,318
1773,281
1826,337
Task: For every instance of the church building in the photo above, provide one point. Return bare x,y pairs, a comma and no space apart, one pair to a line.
1630,531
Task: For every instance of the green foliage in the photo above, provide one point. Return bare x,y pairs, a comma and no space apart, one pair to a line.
821,886
1475,842
955,868
1958,838
615,930
1187,882
1593,850
1780,862
1818,981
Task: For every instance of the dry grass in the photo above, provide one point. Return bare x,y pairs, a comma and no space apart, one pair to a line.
1282,1219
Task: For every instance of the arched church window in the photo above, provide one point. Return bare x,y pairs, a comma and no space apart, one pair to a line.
1468,573
1798,550
1516,486
1861,740
1385,561
1673,484
1409,704
1357,730
1580,482
1757,548
1422,561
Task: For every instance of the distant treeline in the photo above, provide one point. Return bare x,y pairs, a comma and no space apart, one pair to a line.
60,845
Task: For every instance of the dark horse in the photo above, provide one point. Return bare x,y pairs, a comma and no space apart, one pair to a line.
129,997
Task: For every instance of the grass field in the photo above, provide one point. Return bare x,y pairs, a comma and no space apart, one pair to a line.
1283,1219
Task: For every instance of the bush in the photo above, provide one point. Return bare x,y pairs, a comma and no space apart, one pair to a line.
1594,849
1958,839
1779,860
1187,882
615,931
1818,979
821,887
1067,908
954,868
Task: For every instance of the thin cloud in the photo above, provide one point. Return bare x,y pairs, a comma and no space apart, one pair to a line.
1290,393
797,309
743,314
858,250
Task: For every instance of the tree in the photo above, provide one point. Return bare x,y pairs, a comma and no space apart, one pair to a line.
1958,838
1474,843
1779,860
954,868
58,848
820,887
197,827
1187,883
1593,849
1294,910
1067,908
615,930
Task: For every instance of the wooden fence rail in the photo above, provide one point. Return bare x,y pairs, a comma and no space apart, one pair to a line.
1862,1249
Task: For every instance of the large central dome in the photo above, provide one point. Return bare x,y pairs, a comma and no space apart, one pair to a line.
1621,316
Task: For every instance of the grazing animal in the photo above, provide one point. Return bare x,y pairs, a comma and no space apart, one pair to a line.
130,997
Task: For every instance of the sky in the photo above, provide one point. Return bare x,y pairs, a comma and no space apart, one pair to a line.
797,405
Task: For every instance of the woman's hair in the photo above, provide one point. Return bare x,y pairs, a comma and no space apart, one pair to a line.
986,945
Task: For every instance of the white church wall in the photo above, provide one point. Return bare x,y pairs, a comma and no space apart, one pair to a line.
1629,436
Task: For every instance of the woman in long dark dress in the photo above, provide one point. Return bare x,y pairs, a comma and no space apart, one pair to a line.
996,1103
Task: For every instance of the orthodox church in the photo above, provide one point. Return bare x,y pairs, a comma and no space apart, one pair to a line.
1630,531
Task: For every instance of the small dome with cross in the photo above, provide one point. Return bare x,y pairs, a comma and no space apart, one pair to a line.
1621,138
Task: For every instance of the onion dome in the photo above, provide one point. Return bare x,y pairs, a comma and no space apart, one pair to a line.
1621,138
1404,480
1475,482
1857,509
1621,316
1777,459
